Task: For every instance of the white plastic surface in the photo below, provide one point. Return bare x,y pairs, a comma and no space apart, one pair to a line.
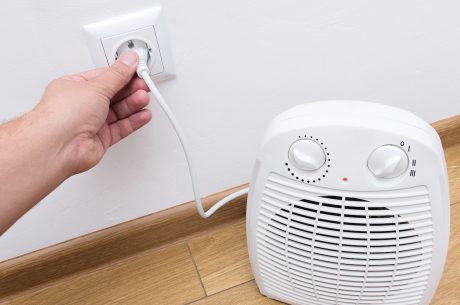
105,37
307,155
388,161
379,238
112,44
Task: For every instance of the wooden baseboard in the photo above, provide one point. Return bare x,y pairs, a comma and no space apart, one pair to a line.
102,247
449,130
105,246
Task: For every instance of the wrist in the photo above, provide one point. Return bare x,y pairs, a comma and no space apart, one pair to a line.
32,165
50,140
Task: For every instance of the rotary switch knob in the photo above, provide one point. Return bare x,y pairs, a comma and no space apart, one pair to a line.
307,155
388,161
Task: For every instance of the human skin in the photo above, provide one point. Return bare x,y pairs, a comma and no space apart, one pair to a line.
68,132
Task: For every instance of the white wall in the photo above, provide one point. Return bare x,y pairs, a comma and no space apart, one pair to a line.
239,63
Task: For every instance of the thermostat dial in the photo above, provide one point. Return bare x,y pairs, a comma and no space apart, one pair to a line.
307,155
388,161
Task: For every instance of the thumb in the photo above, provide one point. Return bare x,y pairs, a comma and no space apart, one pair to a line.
118,75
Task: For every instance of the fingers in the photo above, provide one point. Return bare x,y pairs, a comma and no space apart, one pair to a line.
131,104
123,128
111,117
113,79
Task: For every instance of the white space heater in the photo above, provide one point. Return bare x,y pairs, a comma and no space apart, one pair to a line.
348,204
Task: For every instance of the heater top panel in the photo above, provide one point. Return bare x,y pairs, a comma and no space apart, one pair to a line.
347,108
352,145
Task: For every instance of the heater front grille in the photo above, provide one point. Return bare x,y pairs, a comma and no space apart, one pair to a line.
324,246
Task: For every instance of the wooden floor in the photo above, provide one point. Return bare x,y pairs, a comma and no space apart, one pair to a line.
211,268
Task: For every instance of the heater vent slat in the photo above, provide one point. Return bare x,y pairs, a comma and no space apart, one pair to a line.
323,246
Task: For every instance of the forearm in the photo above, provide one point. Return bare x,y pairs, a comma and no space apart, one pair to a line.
78,118
31,164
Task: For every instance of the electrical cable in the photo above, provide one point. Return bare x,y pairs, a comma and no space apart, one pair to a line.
143,72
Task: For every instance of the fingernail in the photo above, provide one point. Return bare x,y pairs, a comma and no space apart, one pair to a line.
128,58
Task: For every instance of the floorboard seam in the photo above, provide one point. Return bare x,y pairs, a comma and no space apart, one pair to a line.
196,268
240,284
211,295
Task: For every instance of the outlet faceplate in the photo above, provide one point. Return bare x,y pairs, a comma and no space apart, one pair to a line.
105,37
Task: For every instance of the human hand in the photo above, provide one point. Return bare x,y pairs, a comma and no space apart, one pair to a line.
95,109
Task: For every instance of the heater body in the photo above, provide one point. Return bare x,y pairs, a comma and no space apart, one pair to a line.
348,204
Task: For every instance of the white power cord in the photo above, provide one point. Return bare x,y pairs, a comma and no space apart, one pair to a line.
144,72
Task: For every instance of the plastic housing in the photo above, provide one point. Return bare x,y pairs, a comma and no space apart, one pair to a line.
341,235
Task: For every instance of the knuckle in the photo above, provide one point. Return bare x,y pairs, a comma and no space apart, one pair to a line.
53,84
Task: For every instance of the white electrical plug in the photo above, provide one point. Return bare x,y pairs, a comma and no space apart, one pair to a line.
146,57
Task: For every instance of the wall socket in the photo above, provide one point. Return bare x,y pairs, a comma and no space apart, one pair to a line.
105,37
